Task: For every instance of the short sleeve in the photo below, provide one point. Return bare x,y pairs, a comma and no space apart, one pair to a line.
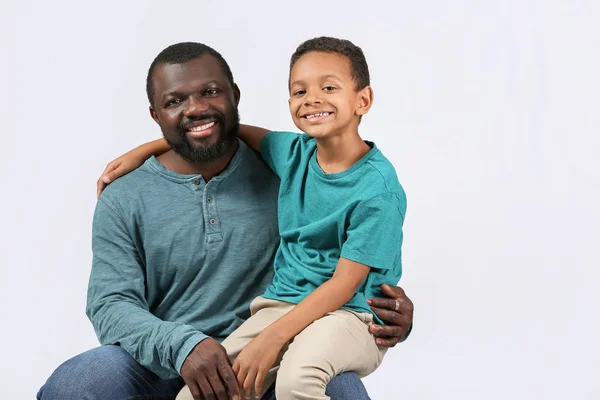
278,149
374,233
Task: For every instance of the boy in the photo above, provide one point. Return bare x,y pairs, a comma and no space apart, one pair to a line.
341,209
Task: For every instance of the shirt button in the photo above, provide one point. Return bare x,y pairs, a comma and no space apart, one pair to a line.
196,182
213,221
209,200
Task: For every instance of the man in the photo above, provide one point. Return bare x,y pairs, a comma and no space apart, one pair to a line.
182,245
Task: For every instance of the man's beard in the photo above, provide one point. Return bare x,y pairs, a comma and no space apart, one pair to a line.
225,142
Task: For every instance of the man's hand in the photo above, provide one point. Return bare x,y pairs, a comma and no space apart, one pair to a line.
397,312
208,374
255,361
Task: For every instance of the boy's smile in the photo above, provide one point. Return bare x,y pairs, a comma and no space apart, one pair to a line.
315,117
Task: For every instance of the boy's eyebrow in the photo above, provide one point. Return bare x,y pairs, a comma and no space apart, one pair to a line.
324,77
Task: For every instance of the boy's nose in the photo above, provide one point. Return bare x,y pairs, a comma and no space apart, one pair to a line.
313,97
312,100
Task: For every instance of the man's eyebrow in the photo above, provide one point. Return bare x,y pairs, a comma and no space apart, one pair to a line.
177,93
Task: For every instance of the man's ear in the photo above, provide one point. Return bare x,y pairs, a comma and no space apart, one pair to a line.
154,115
236,94
365,100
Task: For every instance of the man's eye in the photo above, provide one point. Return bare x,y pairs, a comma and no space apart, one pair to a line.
329,88
172,102
211,92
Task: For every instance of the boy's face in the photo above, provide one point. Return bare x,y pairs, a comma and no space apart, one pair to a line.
323,100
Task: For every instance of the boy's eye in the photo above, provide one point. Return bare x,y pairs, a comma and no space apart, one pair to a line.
329,88
299,92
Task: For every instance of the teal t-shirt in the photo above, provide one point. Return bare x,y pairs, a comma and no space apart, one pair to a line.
356,214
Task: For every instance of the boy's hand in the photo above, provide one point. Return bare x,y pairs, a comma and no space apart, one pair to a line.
117,168
255,361
396,312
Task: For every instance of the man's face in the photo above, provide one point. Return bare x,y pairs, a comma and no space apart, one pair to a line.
196,108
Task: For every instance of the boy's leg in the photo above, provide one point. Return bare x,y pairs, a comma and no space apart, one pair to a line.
106,372
339,342
264,313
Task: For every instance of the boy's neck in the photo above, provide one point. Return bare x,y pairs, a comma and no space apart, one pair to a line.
338,153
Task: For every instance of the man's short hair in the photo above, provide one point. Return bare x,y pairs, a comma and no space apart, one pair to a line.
180,53
358,64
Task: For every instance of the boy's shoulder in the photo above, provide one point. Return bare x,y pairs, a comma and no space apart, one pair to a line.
384,172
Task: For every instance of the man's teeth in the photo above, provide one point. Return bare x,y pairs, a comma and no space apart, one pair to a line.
201,127
323,114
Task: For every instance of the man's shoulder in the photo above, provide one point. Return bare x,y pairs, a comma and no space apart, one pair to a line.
131,185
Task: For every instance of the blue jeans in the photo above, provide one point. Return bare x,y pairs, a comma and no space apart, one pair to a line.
108,372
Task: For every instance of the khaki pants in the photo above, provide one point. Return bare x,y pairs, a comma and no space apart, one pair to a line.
338,342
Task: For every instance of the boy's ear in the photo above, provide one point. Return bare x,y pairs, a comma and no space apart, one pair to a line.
365,100
154,115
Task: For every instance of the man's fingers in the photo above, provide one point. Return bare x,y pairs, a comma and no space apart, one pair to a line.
217,386
392,318
395,292
389,304
197,390
228,377
386,332
391,342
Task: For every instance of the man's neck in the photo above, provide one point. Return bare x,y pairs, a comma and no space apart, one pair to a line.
338,153
209,169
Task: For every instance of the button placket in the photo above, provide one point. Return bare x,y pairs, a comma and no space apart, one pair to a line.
210,208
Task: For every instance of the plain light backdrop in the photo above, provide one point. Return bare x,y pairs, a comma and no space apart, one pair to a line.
489,111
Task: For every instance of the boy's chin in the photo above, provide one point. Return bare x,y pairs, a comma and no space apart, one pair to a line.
314,131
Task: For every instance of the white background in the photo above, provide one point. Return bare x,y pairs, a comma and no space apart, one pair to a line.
489,111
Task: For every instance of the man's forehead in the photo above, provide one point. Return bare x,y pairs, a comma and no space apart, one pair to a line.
193,72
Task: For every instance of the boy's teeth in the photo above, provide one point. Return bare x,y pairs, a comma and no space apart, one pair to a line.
202,127
323,114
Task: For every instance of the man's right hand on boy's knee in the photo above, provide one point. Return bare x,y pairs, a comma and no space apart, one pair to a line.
205,370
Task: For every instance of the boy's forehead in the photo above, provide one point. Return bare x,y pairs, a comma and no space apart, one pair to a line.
318,65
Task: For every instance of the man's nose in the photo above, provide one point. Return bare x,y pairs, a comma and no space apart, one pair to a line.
195,106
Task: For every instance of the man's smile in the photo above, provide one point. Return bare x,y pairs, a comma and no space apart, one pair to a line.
201,131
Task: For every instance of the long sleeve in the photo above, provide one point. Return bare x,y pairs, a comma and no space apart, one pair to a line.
116,301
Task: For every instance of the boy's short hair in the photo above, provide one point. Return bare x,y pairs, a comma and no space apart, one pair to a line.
358,64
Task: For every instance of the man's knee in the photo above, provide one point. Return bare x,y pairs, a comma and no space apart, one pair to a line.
90,375
346,386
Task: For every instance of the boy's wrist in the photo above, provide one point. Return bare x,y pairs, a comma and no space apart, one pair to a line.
276,335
